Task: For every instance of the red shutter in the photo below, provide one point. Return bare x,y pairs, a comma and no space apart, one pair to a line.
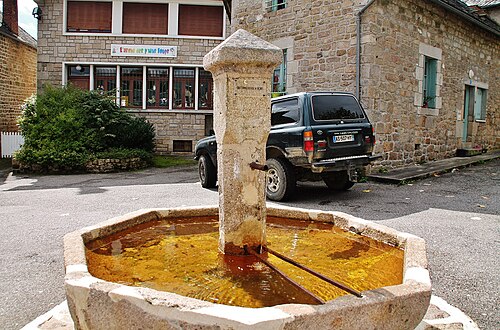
89,16
145,18
200,20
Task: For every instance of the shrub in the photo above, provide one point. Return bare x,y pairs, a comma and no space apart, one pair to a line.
68,126
122,153
131,132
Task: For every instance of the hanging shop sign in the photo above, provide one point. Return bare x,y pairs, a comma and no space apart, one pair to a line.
144,50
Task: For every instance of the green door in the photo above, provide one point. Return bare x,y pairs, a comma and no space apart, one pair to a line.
468,109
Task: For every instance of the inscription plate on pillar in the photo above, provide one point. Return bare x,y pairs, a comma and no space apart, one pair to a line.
250,87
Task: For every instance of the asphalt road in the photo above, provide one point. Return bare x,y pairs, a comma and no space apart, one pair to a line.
457,213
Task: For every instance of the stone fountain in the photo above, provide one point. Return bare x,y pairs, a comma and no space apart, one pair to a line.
241,67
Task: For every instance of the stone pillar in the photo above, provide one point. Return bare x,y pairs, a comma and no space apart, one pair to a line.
242,68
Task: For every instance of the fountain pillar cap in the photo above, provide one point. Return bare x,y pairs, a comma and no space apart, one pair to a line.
243,52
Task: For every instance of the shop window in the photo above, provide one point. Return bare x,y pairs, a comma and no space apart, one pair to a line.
183,146
89,16
274,5
183,88
205,90
79,76
279,78
157,82
131,87
105,80
145,18
430,74
201,20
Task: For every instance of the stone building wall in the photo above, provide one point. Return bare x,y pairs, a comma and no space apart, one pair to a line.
395,37
395,33
17,79
56,48
175,126
318,35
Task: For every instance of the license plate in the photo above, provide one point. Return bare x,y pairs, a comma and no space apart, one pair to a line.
343,138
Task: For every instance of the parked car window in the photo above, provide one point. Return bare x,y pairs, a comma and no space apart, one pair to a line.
336,107
285,112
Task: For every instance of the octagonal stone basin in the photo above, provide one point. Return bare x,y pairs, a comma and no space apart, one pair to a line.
98,304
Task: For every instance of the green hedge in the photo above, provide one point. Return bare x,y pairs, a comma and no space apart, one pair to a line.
67,127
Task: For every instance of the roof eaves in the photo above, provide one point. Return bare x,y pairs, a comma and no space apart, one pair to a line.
23,36
466,13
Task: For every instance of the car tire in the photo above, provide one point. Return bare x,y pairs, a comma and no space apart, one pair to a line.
280,179
207,172
338,180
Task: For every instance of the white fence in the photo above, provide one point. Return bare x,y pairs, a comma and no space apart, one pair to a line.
11,142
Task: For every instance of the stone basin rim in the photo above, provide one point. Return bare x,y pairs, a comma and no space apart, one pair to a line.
79,283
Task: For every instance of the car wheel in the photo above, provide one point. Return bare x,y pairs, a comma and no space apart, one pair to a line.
338,180
280,179
207,172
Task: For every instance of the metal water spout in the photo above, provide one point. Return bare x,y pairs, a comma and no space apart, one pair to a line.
242,67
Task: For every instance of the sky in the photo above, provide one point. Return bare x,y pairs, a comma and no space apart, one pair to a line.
26,20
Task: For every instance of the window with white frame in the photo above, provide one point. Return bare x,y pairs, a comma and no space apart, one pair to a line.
184,88
145,18
135,17
429,78
79,76
157,87
88,16
146,87
105,80
131,87
195,20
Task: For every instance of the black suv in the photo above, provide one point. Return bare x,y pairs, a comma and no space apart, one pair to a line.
314,136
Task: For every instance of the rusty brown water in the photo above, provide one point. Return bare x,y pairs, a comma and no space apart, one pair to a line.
181,256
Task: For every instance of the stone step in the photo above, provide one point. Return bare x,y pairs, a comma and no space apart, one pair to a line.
468,152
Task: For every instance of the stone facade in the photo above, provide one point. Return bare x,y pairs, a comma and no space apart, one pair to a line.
321,37
58,48
177,126
17,78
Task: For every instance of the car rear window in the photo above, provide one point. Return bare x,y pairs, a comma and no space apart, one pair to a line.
336,107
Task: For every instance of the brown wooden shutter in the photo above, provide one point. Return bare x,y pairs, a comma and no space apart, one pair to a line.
200,20
145,18
89,16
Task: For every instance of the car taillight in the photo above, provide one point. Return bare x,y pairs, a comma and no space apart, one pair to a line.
308,141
